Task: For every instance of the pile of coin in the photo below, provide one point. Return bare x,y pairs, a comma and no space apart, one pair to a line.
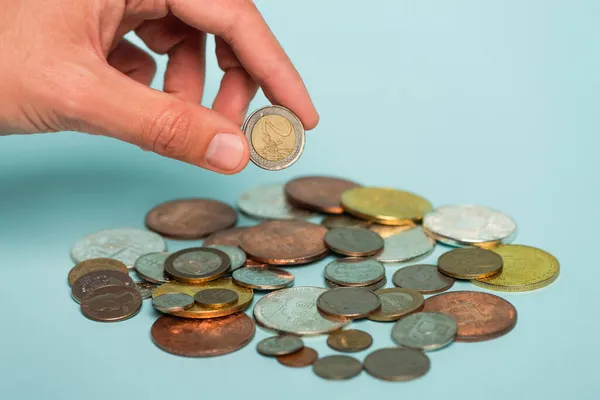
203,290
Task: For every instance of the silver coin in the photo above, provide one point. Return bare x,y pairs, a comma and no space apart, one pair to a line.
172,302
375,286
469,225
123,244
269,202
280,345
235,254
151,267
355,272
425,330
276,137
294,311
263,278
406,245
145,289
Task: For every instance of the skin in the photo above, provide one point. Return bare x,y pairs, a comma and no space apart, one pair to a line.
66,66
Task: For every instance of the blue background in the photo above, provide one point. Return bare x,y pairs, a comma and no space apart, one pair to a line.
494,103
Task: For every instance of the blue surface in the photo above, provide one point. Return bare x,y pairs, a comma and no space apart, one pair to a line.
494,103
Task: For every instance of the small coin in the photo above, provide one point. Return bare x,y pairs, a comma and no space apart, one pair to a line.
216,298
348,302
145,289
172,302
197,265
299,359
227,237
344,221
263,278
386,231
423,278
358,242
235,254
425,330
349,341
151,267
354,272
375,286
396,303
269,202
111,303
280,345
190,218
202,338
470,263
337,367
95,264
397,364
318,193
406,246
97,279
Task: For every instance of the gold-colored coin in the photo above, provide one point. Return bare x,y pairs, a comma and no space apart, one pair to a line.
386,231
245,297
525,268
95,264
385,206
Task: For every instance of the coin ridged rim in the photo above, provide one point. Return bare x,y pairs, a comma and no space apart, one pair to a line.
396,378
517,288
457,243
321,371
452,274
356,260
251,285
349,252
398,338
396,281
416,306
297,341
193,279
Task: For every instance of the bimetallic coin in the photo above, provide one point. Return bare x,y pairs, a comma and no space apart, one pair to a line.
280,345
227,237
151,267
197,265
268,202
469,225
470,263
396,303
299,359
95,264
397,364
263,278
111,303
276,137
216,298
318,193
235,254
423,278
172,302
337,367
97,279
375,286
425,330
386,231
354,272
406,245
348,302
145,289
358,242
349,341
124,244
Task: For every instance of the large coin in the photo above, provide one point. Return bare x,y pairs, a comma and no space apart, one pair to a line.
318,193
425,330
227,237
397,364
111,303
216,298
236,256
423,278
268,202
396,303
97,279
349,341
348,302
344,221
197,265
358,242
172,302
202,338
294,311
279,345
354,272
337,367
95,264
151,267
124,244
470,263
373,287
406,245
470,225
303,358
263,278
480,316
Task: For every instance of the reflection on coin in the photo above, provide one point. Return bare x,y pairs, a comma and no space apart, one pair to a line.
151,267
470,263
318,193
97,279
279,345
375,286
227,237
235,254
354,272
396,303
216,298
469,225
111,303
357,242
171,302
263,278
95,264
294,311
276,137
268,202
386,231
425,330
337,367
423,278
145,289
197,265
344,221
299,359
125,245
349,341
406,245
397,364
348,302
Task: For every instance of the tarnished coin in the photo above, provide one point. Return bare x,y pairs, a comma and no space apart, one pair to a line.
386,231
97,279
216,298
349,341
425,330
279,345
197,265
344,221
337,367
269,202
469,225
373,287
470,263
95,264
294,311
236,256
396,303
355,272
406,245
348,302
145,289
111,303
423,278
202,338
263,278
151,267
318,193
397,364
124,244
285,242
479,316
358,242
227,237
303,358
172,302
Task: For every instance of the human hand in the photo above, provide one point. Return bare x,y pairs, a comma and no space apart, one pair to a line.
64,65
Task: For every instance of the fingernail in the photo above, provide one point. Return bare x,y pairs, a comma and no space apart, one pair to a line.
225,151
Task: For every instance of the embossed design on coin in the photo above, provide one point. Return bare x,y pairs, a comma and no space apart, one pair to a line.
227,237
97,279
197,265
358,242
349,341
279,345
406,245
269,202
423,278
425,330
396,303
145,289
151,267
216,298
397,364
95,264
263,278
354,272
386,231
337,367
172,302
318,193
235,254
373,287
470,263
344,221
348,302
303,358
111,303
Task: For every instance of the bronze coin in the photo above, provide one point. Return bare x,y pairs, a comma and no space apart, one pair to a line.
480,316
348,302
337,367
318,193
344,221
197,265
397,303
190,218
349,341
373,287
397,364
470,263
203,337
423,278
302,358
227,237
285,242
95,264
216,298
111,303
97,279
357,242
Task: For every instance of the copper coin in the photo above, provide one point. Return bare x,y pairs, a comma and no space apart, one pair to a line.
190,218
480,316
280,345
263,278
397,303
470,263
423,278
349,341
97,279
373,287
203,337
285,242
145,289
111,303
216,298
95,264
348,302
337,367
344,221
302,358
227,237
397,364
358,242
173,302
318,193
197,265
